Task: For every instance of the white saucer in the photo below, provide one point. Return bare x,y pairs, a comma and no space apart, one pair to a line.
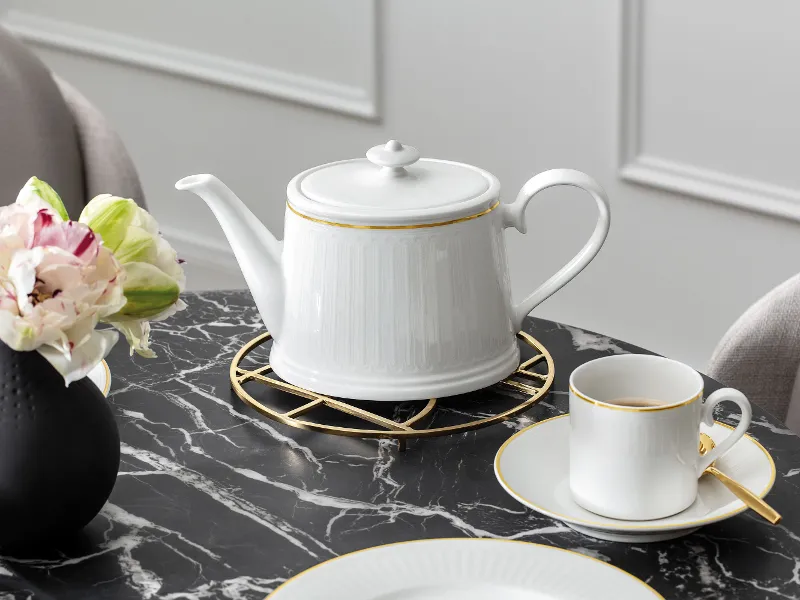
101,377
533,467
464,569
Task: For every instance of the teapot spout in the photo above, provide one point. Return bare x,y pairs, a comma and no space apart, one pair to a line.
256,249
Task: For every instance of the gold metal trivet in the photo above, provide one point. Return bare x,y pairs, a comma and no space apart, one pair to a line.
533,377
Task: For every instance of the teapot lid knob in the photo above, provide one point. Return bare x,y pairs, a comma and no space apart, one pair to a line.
393,155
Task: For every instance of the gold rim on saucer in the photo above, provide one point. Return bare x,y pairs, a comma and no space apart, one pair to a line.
621,526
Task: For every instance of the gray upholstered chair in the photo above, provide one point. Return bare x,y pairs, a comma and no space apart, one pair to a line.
49,130
760,353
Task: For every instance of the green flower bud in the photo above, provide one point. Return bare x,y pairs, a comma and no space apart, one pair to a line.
149,291
137,246
109,217
152,275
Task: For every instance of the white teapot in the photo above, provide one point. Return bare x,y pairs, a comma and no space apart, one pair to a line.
391,282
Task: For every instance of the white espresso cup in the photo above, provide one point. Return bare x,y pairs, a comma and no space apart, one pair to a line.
635,433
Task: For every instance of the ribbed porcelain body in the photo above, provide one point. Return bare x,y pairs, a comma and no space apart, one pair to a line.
391,282
395,314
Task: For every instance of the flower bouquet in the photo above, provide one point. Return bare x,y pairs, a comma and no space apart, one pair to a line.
60,278
66,289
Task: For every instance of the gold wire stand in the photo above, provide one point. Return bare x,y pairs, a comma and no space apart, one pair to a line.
521,380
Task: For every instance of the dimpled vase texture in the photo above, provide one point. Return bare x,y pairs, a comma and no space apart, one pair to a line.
59,451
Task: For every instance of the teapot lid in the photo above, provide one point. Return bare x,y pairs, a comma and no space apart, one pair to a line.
392,187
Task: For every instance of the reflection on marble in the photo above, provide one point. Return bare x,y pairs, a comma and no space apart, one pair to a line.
215,502
588,340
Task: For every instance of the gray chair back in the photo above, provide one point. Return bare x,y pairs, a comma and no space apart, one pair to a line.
51,131
760,353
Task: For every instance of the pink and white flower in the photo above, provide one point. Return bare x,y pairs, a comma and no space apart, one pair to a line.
57,280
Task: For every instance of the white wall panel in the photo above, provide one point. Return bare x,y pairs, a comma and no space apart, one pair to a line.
514,87
320,52
712,100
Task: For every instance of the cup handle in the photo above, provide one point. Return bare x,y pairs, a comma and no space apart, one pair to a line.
514,216
722,395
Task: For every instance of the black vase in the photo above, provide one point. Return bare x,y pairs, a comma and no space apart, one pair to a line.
59,451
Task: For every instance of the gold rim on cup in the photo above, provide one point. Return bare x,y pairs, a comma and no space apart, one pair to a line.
634,408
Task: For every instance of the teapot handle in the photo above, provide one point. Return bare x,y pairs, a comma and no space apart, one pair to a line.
514,216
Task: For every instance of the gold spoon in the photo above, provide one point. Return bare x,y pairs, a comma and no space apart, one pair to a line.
749,498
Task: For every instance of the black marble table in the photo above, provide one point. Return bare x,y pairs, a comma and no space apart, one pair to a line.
214,501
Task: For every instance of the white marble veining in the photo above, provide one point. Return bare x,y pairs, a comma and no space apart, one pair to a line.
215,502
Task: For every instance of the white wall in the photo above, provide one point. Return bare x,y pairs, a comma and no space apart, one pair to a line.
514,87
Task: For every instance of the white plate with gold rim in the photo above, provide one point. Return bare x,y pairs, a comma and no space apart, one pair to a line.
533,466
101,377
464,569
